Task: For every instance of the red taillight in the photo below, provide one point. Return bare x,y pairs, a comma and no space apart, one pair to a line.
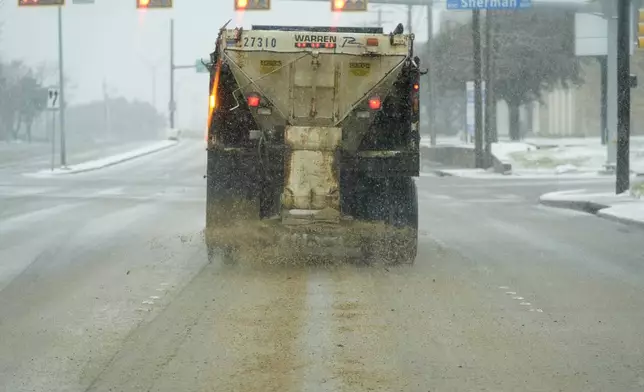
253,100
416,87
338,5
372,41
374,103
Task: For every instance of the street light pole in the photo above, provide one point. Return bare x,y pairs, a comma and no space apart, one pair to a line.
430,73
478,112
61,83
172,103
623,96
489,86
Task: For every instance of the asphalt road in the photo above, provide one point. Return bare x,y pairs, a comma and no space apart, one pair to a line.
105,286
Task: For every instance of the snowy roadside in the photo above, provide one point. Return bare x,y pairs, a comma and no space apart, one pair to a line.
548,157
107,161
627,207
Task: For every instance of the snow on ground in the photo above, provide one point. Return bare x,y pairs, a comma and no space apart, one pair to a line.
627,207
555,157
628,213
107,161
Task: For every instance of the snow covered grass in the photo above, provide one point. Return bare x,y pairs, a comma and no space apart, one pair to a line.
553,156
637,190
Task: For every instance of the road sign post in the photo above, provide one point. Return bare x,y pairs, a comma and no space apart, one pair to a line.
475,6
53,98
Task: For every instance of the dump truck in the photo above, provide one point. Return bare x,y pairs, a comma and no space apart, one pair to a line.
313,143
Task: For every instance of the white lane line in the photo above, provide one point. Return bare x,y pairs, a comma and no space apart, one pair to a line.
154,297
317,340
14,222
148,302
519,298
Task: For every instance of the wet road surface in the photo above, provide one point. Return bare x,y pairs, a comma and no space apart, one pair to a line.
105,286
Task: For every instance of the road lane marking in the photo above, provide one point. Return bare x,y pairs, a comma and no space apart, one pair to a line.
318,342
31,217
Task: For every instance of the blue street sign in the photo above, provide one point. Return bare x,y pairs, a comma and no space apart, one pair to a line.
488,4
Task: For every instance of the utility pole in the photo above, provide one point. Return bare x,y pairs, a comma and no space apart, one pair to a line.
489,86
430,73
624,96
61,83
172,105
409,14
603,68
478,112
610,13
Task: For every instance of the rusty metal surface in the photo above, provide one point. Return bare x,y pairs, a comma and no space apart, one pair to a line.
312,180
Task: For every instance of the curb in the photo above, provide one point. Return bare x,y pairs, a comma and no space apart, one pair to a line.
442,173
626,221
126,159
577,205
590,208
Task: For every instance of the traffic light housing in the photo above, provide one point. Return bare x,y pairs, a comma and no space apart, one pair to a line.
348,5
146,4
36,3
252,5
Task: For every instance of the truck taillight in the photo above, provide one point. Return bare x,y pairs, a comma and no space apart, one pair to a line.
253,100
374,103
416,86
372,41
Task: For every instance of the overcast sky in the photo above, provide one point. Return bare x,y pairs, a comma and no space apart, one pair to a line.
114,41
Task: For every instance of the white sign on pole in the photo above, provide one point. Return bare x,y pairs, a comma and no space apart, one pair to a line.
53,98
591,35
469,92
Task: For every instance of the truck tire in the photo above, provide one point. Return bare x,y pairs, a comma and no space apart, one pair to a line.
395,202
403,247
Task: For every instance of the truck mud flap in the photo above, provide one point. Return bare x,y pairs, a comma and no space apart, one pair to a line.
233,187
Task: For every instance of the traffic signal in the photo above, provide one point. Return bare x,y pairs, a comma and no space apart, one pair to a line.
252,5
153,4
35,3
348,5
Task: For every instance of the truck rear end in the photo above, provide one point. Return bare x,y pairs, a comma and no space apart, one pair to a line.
313,142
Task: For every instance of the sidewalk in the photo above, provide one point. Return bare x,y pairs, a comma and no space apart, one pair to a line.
148,148
627,207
